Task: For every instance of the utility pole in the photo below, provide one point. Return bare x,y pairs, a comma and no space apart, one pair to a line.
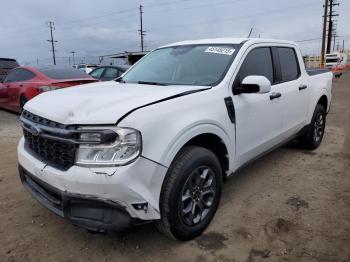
343,45
323,48
331,26
73,52
142,32
51,24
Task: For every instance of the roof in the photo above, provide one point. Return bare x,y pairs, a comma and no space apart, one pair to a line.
7,59
229,40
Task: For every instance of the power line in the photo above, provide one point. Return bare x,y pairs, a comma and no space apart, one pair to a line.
242,16
98,17
51,24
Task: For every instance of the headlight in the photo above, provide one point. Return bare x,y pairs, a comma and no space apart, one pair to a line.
125,148
42,89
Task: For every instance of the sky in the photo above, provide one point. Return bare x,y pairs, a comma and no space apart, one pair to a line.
93,28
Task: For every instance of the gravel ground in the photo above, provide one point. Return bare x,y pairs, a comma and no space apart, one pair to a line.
291,205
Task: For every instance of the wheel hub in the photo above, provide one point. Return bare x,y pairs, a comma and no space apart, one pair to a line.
198,195
319,127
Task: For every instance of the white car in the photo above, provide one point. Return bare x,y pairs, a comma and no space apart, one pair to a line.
157,144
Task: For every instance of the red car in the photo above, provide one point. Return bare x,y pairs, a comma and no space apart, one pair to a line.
24,83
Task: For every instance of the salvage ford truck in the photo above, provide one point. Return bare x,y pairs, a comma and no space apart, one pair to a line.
156,144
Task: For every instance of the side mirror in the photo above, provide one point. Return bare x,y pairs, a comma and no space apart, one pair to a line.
255,84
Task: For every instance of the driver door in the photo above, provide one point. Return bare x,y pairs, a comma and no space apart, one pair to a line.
258,116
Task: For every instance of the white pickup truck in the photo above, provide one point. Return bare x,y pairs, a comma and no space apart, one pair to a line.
156,144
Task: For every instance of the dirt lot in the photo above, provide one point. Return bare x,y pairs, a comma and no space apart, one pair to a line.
291,205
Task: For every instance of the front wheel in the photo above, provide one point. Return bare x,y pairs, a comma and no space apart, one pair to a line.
190,194
314,135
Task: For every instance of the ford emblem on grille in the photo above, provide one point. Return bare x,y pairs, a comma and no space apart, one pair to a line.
35,130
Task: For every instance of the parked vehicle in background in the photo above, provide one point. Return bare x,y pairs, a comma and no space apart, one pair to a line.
157,144
337,62
24,83
107,73
336,59
87,68
6,65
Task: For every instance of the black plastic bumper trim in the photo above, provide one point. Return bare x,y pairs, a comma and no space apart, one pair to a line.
83,211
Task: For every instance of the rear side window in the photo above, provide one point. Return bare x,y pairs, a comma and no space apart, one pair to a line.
64,73
258,62
289,64
19,75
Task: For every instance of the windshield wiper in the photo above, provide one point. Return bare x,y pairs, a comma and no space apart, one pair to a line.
151,83
120,80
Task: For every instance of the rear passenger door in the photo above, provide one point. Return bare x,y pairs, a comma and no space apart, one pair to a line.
293,87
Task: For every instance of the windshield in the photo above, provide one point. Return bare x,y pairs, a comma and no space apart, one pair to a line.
202,65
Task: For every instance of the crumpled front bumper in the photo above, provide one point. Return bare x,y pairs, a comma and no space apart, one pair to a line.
131,190
92,214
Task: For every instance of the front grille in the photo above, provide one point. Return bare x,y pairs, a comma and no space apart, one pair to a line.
56,152
59,153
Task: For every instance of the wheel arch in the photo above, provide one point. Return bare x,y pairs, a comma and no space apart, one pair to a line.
207,136
323,101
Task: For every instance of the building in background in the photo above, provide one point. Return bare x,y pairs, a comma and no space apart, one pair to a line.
129,58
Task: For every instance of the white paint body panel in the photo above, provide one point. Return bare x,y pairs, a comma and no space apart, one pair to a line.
167,126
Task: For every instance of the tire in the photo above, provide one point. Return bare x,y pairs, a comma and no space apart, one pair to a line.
22,101
314,135
190,194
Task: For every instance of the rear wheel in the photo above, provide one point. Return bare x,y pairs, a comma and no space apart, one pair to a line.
190,194
314,135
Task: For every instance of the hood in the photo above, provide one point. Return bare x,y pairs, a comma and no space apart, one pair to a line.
100,103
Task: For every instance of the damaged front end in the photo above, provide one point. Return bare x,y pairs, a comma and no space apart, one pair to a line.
95,177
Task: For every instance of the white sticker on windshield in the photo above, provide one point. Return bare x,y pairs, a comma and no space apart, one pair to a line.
220,50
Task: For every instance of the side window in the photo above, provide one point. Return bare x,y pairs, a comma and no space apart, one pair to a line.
19,75
11,77
97,73
258,62
289,64
110,73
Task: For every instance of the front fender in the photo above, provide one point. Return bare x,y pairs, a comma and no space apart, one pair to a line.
190,132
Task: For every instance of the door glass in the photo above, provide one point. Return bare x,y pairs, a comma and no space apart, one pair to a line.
258,62
289,64
97,73
19,75
110,73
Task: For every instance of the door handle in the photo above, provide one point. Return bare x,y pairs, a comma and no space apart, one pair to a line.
20,85
275,95
302,87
